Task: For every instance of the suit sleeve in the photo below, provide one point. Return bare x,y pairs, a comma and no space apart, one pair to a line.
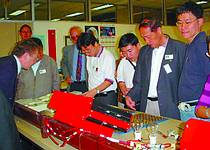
9,139
55,76
64,62
134,93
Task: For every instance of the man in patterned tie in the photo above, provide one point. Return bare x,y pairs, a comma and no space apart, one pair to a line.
73,63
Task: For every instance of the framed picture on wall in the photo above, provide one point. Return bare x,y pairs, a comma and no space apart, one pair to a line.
93,30
107,31
68,40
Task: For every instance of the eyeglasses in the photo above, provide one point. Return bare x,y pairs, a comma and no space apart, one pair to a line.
127,51
186,22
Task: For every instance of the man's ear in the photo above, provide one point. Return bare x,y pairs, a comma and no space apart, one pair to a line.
138,46
201,22
159,30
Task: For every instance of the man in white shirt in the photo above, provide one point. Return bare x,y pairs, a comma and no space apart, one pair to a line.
129,46
101,70
158,69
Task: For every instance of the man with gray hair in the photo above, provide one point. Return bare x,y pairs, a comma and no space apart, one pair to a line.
73,63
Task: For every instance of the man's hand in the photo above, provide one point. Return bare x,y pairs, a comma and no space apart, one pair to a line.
90,93
68,80
130,103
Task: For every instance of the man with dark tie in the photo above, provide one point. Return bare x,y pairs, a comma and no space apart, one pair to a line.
73,63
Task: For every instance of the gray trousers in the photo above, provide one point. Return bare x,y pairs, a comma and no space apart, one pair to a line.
152,108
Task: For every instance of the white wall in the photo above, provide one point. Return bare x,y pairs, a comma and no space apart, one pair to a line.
40,29
9,33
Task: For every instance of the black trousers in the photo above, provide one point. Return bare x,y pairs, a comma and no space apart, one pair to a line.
78,86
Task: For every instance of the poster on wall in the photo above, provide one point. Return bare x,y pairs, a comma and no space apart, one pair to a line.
107,31
93,30
108,38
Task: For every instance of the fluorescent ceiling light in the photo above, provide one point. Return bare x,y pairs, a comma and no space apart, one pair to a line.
55,19
201,2
16,13
2,19
74,14
96,8
102,7
138,13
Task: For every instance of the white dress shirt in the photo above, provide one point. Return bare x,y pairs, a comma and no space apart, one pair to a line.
157,57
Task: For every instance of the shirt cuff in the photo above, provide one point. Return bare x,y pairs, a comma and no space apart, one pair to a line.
109,80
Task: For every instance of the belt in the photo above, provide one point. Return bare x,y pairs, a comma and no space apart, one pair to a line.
153,98
104,93
80,82
193,103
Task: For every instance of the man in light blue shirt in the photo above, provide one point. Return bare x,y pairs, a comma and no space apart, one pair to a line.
73,64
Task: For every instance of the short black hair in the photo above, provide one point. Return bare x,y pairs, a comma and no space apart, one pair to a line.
85,39
128,39
37,41
192,7
152,23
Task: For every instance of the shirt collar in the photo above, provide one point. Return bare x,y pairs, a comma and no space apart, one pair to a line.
100,51
36,65
166,42
18,64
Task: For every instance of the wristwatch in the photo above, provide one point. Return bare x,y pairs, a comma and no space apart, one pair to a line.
97,90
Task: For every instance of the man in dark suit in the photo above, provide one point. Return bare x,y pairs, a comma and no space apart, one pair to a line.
23,56
157,72
70,63
9,138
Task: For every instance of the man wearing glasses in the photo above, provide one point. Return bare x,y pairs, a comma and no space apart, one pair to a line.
157,72
197,65
73,63
25,32
101,70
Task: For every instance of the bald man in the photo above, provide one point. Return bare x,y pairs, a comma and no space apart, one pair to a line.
73,63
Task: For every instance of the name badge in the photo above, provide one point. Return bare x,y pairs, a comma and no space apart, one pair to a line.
169,57
167,68
42,71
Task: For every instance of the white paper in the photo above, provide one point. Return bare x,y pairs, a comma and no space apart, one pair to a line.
167,68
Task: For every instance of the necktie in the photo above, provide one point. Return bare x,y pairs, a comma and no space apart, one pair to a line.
79,67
